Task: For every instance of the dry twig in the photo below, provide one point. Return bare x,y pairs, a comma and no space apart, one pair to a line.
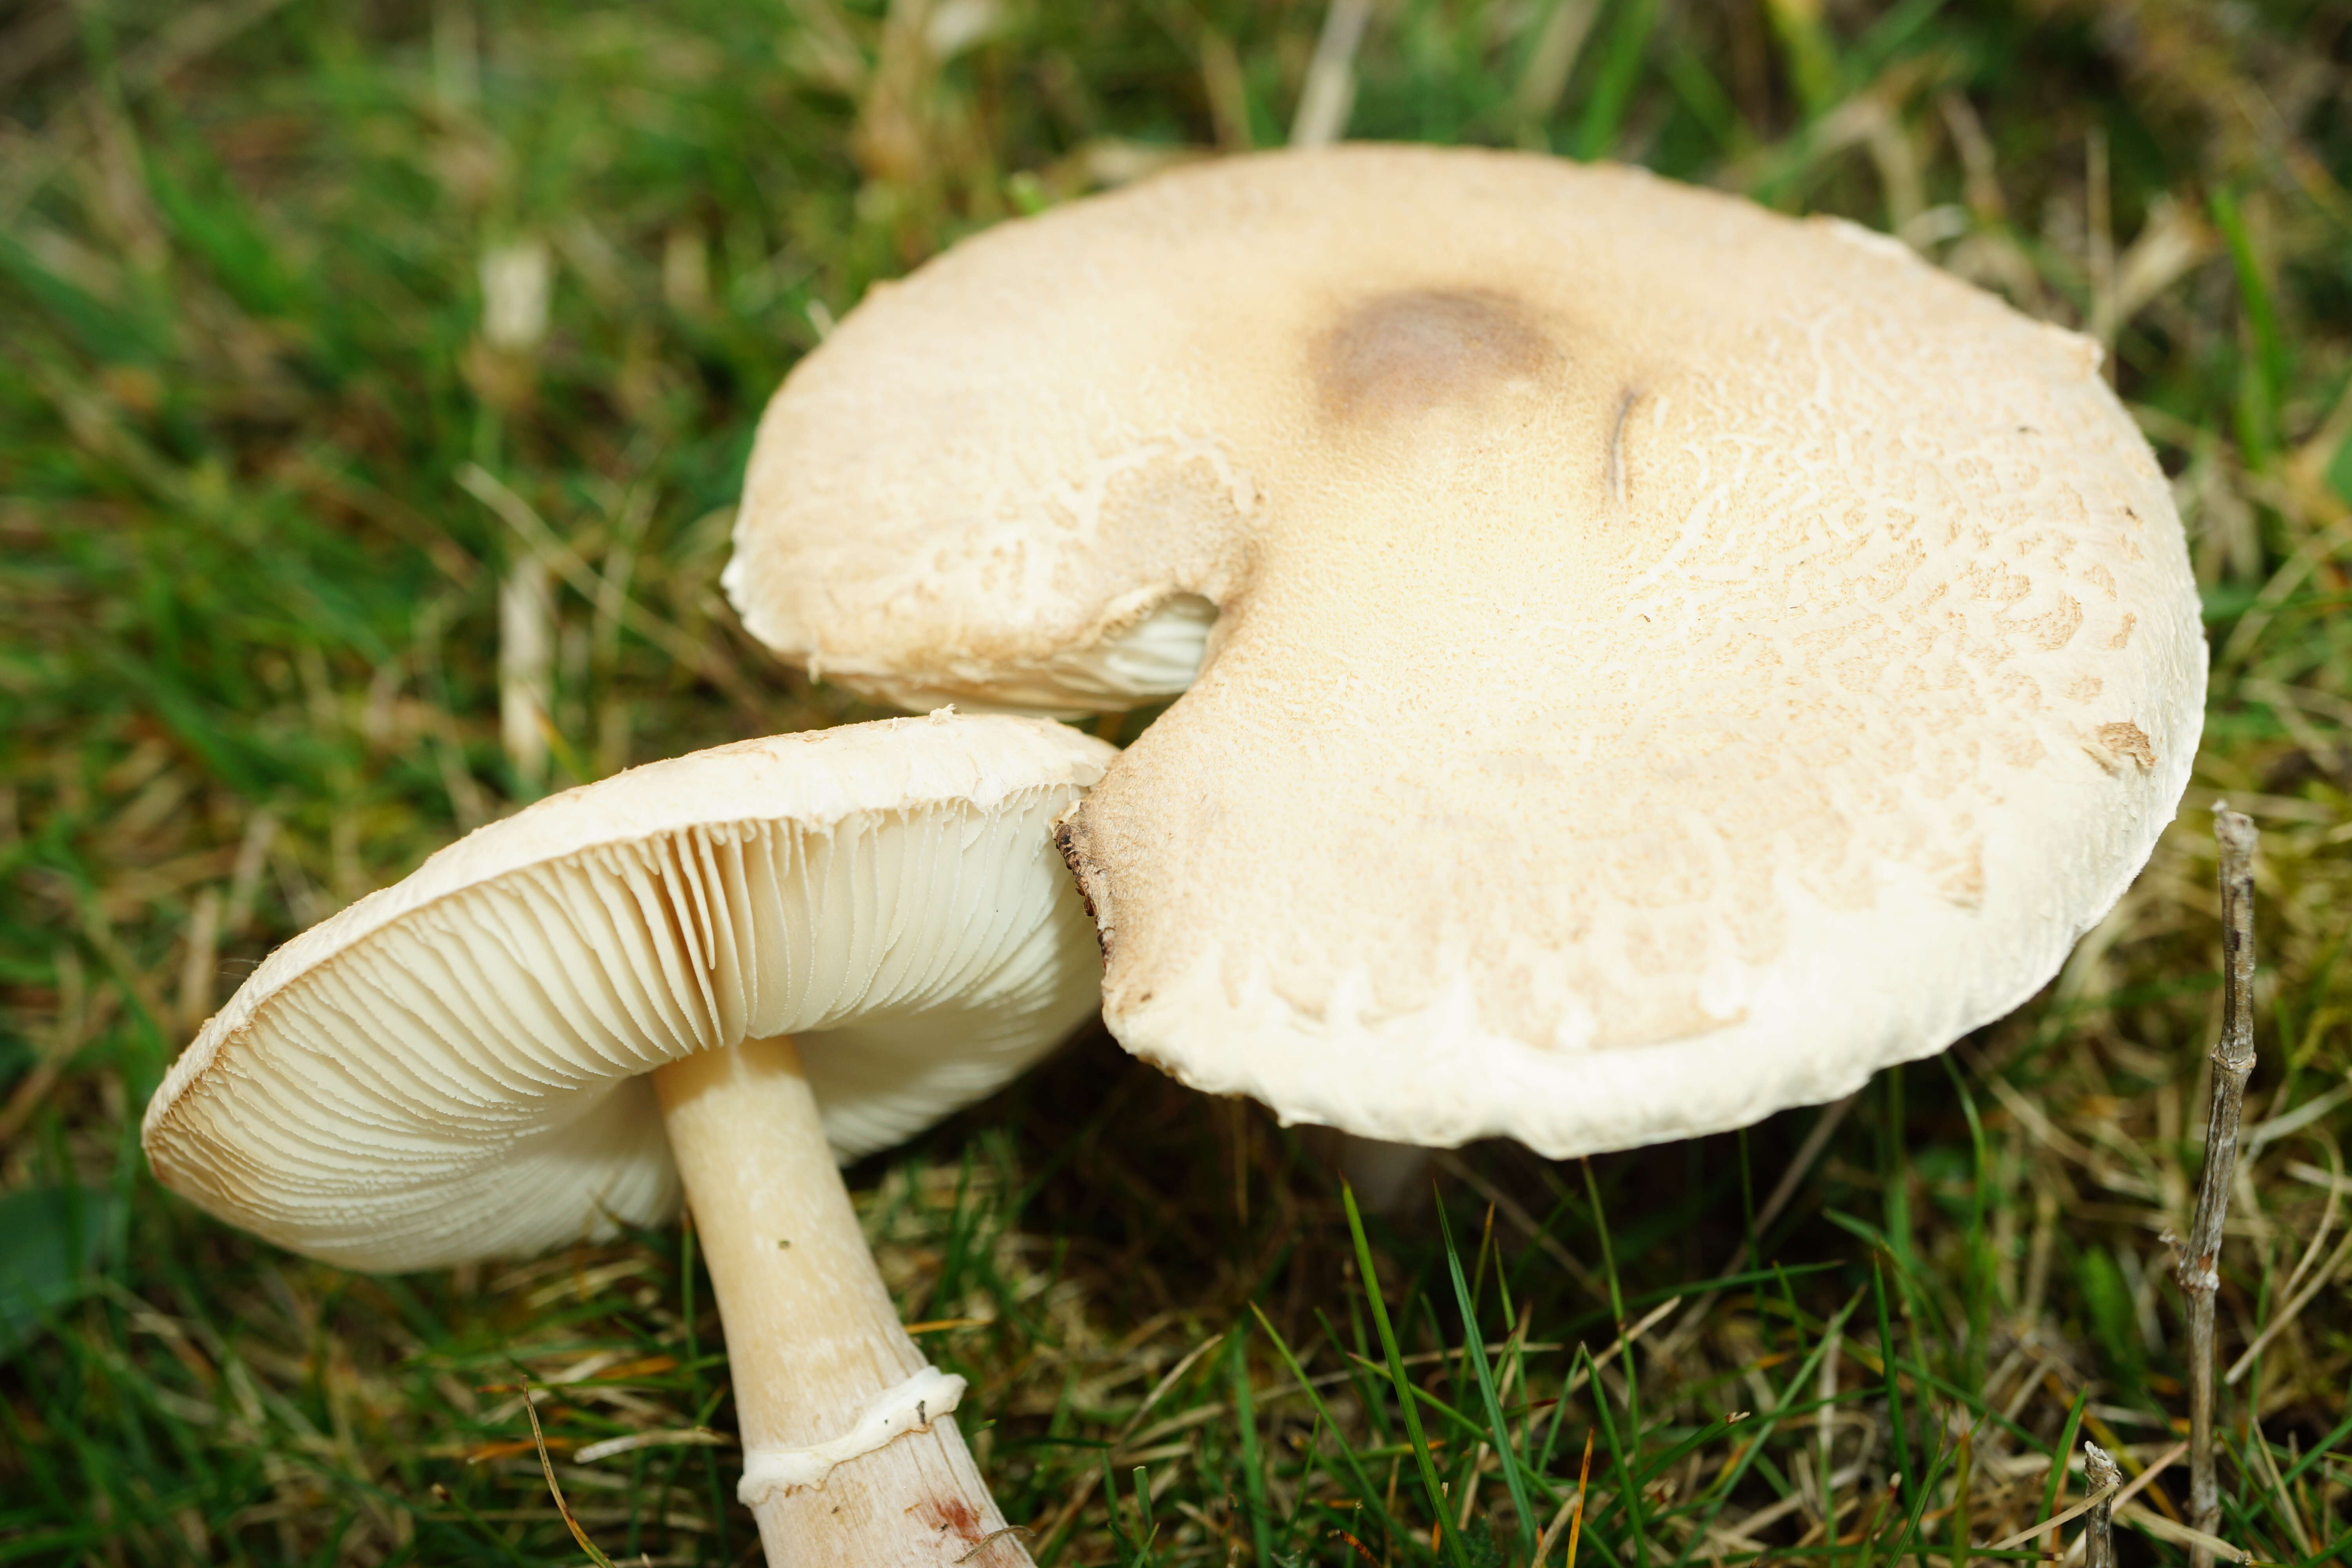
2233,1063
2100,1471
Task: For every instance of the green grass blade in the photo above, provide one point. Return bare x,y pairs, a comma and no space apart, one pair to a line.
1474,1350
1628,1495
1143,1513
1422,1459
1621,57
1767,1422
2261,381
1888,1363
1252,1463
1365,1489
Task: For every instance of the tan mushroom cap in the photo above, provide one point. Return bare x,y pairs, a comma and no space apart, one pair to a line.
1668,660
453,1067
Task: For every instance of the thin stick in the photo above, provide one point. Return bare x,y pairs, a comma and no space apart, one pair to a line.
2118,1502
2233,1062
2099,1470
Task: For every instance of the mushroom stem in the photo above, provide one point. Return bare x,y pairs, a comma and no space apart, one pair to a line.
848,1458
1390,1178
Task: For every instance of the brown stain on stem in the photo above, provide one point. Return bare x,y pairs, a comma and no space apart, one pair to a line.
950,1515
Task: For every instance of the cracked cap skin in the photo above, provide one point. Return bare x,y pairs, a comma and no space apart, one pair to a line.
1647,662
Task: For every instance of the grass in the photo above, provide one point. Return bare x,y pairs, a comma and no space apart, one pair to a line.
262,474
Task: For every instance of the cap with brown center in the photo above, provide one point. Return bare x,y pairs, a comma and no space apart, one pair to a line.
1656,661
705,973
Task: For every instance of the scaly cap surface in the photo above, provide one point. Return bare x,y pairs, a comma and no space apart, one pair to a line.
1657,661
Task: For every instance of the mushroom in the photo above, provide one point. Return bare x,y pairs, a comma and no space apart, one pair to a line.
718,973
1647,662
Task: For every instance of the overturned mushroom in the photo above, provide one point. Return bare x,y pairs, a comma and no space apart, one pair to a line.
1646,662
717,972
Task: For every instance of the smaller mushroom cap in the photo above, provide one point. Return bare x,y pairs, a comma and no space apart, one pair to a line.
454,1067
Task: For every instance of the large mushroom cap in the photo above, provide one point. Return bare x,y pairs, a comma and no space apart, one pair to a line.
454,1067
1667,660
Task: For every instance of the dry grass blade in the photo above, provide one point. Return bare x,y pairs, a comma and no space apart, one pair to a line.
547,1466
2103,1497
691,1436
1330,88
1649,1320
2285,1316
1571,1512
541,540
991,1538
2164,1529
